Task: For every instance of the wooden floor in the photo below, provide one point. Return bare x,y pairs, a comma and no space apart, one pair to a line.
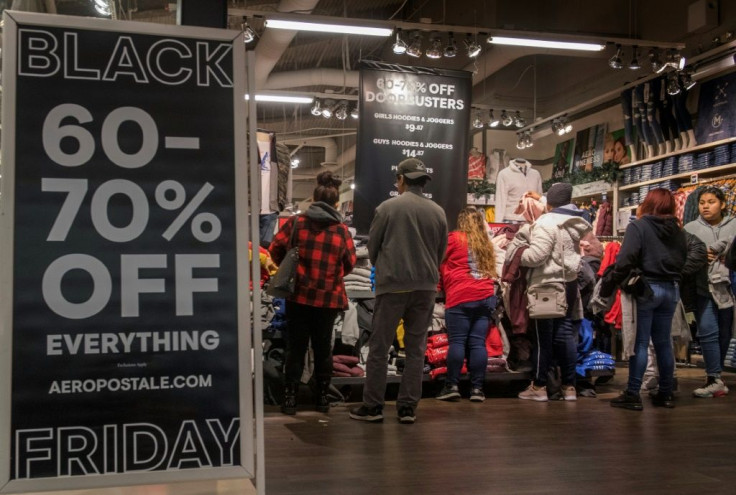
502,446
509,446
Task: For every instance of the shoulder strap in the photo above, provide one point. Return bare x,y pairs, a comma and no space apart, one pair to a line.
291,234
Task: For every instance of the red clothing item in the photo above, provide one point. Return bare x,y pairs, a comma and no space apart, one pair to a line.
458,275
326,255
609,256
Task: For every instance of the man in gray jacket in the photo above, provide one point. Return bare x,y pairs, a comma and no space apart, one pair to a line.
407,241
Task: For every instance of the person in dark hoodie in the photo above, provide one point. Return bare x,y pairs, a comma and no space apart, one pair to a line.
326,255
554,256
655,245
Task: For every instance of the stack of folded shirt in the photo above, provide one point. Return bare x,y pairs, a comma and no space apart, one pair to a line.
358,280
346,366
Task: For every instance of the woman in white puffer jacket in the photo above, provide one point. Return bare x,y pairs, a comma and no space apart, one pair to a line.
553,255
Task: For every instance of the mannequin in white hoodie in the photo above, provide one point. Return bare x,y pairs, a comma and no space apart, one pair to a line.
511,185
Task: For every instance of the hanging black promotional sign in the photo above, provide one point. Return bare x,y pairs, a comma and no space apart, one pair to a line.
119,214
411,112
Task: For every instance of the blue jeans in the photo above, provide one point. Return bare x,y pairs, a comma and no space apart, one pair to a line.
467,328
654,106
714,333
557,342
627,111
640,116
654,322
684,120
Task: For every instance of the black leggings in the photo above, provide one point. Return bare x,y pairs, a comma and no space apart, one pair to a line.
305,323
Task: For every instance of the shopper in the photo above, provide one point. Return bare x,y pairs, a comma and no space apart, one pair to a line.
326,255
654,246
714,314
407,241
467,276
554,256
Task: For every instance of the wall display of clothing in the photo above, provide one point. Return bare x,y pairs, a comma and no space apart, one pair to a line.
497,161
717,109
656,122
511,185
476,164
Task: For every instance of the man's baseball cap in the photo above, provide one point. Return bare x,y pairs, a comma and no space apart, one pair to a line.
412,168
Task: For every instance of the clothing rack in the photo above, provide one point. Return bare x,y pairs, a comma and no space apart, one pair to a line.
609,238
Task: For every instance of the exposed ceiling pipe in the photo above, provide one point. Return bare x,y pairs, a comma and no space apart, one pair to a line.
330,146
312,77
274,42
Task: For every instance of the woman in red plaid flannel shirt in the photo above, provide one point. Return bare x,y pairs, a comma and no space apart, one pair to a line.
326,255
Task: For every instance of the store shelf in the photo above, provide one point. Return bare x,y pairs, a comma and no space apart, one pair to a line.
683,175
699,147
591,189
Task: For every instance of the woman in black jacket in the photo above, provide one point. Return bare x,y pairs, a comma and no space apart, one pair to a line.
654,245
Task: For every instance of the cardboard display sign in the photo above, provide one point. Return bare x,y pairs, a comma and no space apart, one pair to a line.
122,270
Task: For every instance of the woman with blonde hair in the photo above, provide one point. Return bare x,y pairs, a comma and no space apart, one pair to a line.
467,275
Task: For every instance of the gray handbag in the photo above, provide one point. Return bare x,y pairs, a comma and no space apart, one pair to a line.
283,284
549,299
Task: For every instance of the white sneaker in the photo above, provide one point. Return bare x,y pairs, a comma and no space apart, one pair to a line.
713,388
534,393
570,393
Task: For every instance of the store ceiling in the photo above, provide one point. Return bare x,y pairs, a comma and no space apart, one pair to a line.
538,84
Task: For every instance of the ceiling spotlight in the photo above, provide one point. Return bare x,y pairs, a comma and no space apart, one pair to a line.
654,59
472,46
528,142
557,127
686,78
634,64
506,119
519,120
520,142
248,34
415,49
451,48
327,109
675,60
341,110
352,185
568,128
399,46
316,109
294,162
435,47
103,7
492,120
615,62
673,84
477,121
354,112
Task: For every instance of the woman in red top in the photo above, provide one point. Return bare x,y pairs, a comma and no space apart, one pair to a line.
326,255
467,276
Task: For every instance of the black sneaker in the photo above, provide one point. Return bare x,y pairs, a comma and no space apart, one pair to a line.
406,415
663,400
477,395
627,400
370,414
449,392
